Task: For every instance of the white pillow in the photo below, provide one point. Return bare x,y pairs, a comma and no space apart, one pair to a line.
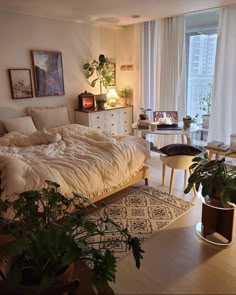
49,117
23,125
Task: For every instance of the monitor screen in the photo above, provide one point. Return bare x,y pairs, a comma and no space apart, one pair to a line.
166,117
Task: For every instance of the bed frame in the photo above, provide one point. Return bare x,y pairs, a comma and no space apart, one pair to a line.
142,174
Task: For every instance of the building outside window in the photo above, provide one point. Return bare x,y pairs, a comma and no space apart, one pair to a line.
201,41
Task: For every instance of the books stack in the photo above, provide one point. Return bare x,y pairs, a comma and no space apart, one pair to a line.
143,124
217,145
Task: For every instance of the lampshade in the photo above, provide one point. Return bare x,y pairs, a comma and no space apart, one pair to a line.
112,94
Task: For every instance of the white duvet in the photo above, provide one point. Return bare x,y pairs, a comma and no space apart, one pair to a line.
78,158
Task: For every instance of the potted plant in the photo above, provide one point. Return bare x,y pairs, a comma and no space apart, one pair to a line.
125,94
104,71
143,115
217,182
50,232
188,120
205,106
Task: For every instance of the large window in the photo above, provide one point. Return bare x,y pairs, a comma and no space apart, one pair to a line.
201,51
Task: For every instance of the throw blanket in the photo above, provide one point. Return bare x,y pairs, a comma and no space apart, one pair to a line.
78,158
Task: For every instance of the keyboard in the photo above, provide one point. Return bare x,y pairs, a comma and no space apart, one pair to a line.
168,128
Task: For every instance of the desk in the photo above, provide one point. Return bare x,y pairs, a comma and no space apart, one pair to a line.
185,134
218,153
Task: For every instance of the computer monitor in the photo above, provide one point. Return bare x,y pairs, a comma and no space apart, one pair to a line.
166,118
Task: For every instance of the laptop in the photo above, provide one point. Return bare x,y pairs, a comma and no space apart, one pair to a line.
166,120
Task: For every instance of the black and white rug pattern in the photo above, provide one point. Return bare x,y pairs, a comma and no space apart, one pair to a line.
145,212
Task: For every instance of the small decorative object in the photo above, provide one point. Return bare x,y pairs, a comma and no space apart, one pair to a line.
125,95
105,72
188,120
21,84
127,67
49,233
153,126
143,115
218,189
86,101
48,73
112,97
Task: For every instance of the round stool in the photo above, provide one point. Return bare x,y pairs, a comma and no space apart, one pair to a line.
182,162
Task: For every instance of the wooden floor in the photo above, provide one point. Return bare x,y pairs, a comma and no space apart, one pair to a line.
176,261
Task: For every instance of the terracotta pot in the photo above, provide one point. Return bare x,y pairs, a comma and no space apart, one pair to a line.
124,101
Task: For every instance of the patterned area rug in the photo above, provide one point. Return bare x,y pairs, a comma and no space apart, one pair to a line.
145,212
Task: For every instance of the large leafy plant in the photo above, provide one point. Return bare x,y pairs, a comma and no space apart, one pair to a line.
215,178
52,231
103,69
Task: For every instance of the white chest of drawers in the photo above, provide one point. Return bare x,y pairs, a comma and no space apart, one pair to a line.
117,120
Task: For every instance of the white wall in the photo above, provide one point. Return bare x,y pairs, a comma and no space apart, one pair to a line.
78,43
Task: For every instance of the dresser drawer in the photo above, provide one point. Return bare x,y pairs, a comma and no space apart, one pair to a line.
126,114
98,126
111,125
96,118
112,115
125,131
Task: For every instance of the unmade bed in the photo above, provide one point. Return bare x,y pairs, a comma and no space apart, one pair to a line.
78,158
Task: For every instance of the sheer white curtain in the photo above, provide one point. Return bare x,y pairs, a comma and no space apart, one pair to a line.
223,110
147,44
163,67
172,64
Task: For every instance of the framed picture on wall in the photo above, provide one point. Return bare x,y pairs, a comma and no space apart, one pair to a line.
48,73
113,74
20,83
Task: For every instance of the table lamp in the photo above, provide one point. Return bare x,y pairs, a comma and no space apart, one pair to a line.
112,97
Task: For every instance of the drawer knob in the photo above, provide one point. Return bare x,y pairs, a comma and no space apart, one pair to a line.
112,115
98,117
98,127
112,124
125,113
125,121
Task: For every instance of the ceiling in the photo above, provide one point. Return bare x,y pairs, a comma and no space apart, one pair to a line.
109,12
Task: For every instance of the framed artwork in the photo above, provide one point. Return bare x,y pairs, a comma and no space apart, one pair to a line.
113,74
20,83
48,73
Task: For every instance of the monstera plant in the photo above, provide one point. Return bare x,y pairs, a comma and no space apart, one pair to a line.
49,233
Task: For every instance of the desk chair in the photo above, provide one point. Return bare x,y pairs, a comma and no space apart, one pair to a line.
182,162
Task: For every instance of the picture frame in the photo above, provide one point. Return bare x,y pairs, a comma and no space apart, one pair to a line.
20,83
48,73
113,74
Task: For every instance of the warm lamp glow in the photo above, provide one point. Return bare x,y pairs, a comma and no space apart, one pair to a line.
112,94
